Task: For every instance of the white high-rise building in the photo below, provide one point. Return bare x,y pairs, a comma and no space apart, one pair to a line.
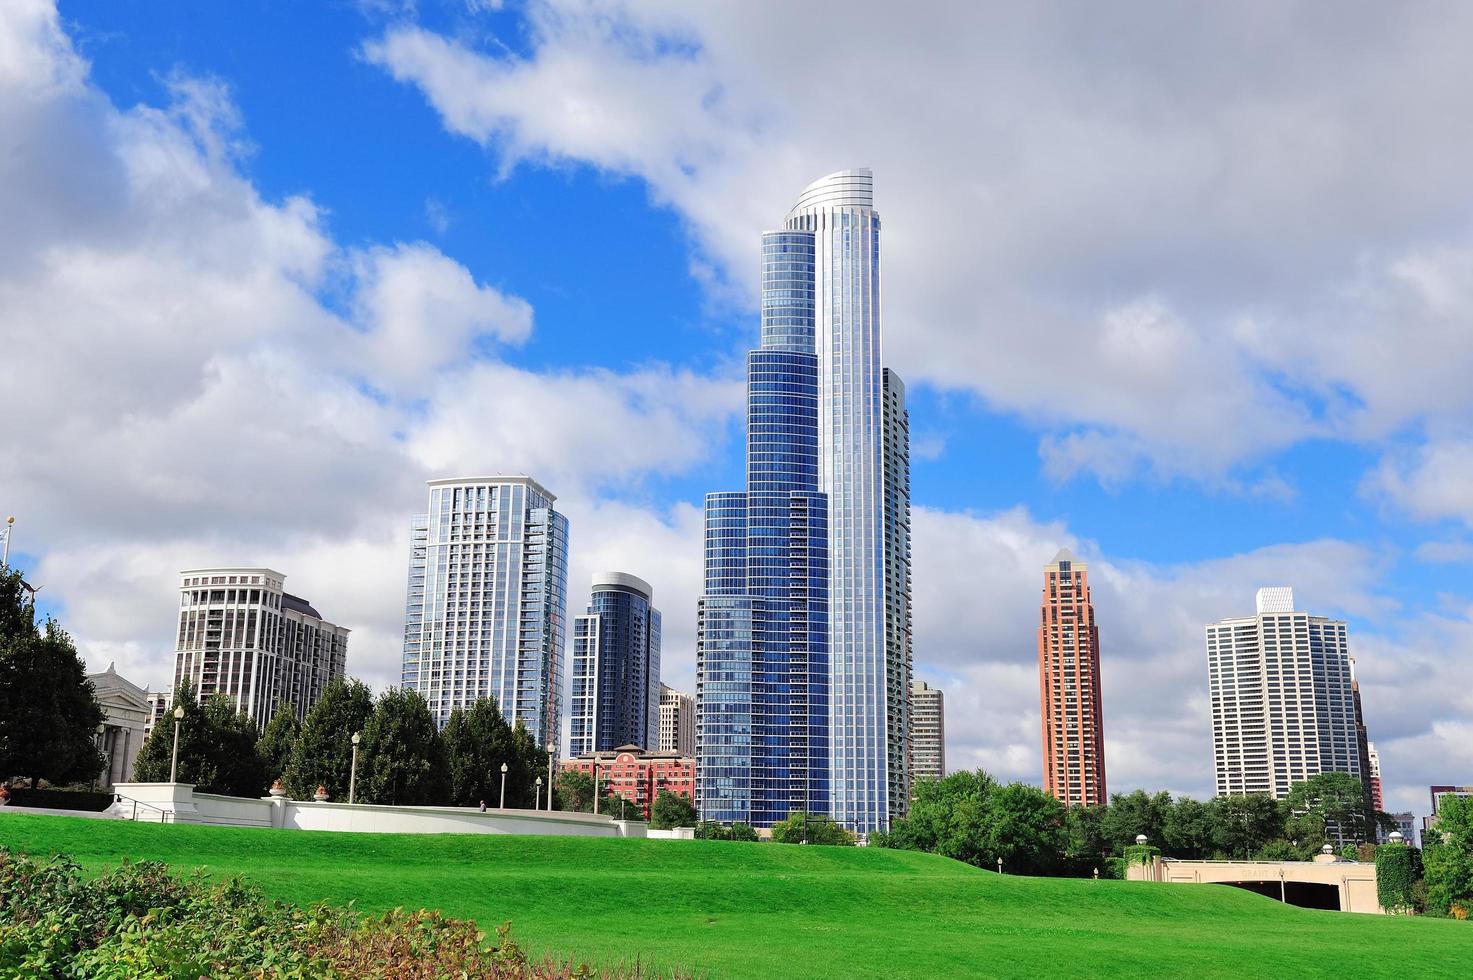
242,634
927,731
487,598
1282,706
677,722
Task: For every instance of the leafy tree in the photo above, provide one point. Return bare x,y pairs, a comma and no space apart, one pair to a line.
1131,814
48,725
1328,805
948,817
1398,869
743,832
1026,830
1188,831
1242,825
477,742
575,791
1280,850
217,748
401,757
275,746
672,810
1087,846
235,767
1447,858
814,828
322,755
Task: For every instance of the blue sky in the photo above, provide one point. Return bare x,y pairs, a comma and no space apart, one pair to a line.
1204,324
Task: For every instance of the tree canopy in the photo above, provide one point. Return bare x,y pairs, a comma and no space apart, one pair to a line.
671,810
48,726
401,756
969,817
322,755
812,828
217,747
275,746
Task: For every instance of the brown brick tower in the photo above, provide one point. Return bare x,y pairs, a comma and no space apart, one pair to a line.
1069,685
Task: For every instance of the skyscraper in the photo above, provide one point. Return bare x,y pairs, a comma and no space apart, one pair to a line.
677,722
487,596
1378,801
1282,705
1069,685
927,732
615,685
804,640
243,635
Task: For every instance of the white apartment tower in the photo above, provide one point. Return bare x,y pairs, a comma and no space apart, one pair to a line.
677,722
1282,706
487,597
927,732
241,634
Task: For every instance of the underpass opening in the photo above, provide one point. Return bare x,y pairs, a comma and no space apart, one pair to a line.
1305,894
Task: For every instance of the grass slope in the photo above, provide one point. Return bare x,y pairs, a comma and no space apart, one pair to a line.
765,910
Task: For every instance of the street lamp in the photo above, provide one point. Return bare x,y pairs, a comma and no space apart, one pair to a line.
353,769
97,744
1395,837
503,787
174,765
999,865
1140,840
595,787
537,799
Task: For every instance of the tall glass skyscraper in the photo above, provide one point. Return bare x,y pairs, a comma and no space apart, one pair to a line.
487,596
804,639
615,685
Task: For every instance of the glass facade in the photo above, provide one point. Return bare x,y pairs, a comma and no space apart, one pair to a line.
615,681
486,600
804,631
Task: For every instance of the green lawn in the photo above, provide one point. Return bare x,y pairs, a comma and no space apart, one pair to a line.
766,910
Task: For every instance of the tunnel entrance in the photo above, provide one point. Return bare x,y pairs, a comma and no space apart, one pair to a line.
1305,894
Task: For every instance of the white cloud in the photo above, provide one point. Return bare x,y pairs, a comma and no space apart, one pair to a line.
202,376
1176,243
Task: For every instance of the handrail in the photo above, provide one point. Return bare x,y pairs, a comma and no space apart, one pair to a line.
165,816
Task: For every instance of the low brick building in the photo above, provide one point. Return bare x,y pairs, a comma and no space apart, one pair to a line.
637,775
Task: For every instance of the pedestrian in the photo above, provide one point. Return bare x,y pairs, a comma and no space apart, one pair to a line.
483,806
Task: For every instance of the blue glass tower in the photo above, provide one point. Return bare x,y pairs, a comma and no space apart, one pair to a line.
805,644
615,689
762,735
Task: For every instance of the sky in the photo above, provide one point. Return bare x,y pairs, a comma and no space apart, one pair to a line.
1186,289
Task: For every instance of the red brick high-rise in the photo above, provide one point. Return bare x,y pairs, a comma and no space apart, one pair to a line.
1069,685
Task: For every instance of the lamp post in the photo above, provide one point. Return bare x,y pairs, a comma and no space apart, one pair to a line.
353,768
999,865
595,787
174,765
503,787
97,744
537,798
1283,888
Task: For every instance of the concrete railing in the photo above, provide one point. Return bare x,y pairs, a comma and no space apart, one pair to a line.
179,803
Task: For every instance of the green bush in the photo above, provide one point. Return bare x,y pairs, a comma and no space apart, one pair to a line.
1398,870
140,921
60,799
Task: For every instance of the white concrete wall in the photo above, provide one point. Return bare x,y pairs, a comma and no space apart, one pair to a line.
676,833
179,803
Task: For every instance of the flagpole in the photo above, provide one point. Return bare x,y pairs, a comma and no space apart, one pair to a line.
9,524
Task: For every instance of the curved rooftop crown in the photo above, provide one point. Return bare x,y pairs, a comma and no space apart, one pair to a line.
604,579
843,188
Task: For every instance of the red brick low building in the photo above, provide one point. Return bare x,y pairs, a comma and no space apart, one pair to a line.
637,775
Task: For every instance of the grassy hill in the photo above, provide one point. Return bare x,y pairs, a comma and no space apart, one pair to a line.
765,910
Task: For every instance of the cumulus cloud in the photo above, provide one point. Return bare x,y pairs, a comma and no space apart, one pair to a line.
1177,243
200,375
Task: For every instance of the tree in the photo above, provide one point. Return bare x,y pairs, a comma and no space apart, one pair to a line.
1026,829
1086,845
1328,805
1132,814
671,810
1188,829
48,726
575,791
948,817
401,758
812,828
478,741
217,748
275,746
322,755
1243,825
231,736
1447,858
743,832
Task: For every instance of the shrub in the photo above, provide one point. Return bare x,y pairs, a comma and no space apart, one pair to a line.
140,920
